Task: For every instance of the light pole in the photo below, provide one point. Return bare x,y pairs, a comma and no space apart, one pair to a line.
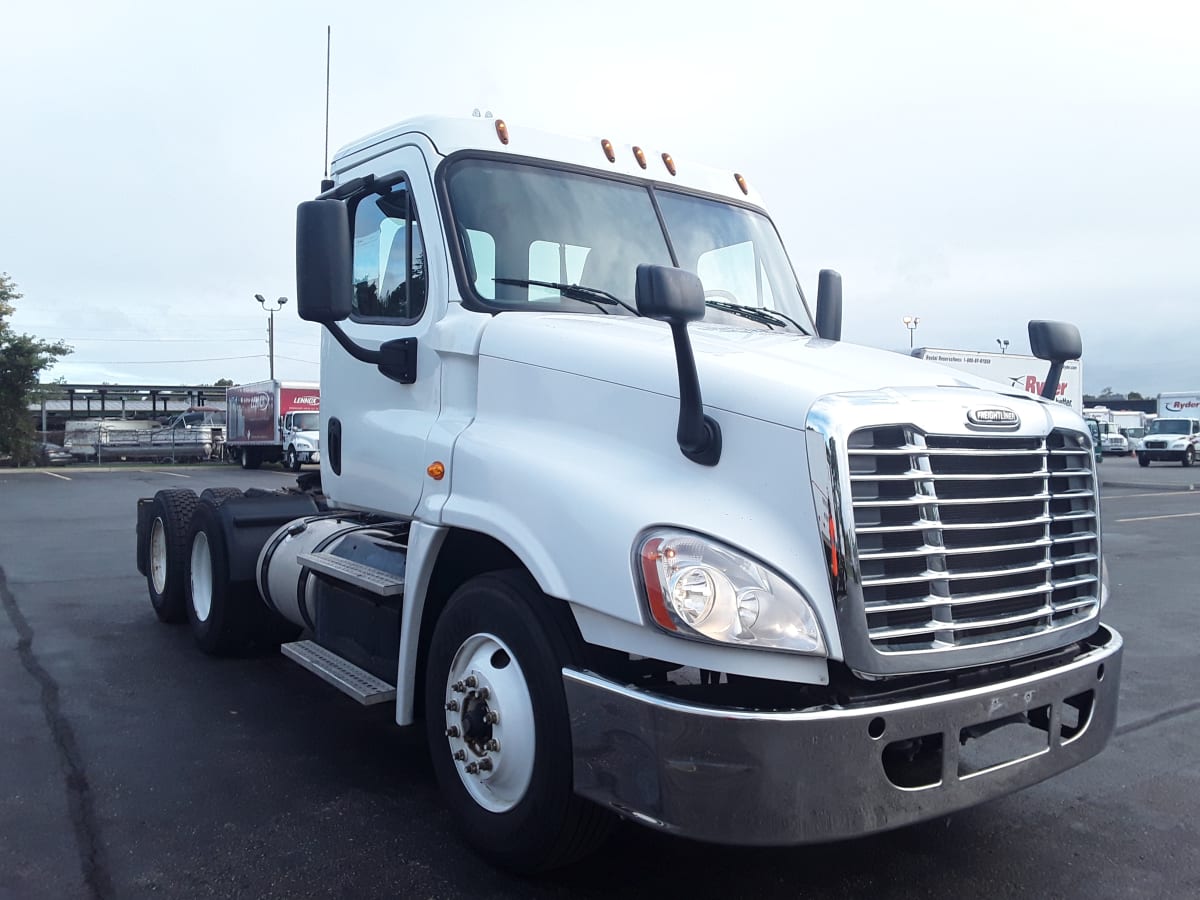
1003,345
271,325
911,322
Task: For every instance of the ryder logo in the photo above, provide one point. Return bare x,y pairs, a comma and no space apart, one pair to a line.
1182,405
1033,386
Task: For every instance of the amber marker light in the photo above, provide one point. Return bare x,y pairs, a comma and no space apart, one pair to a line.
639,156
741,183
658,603
669,163
608,150
436,471
833,550
502,131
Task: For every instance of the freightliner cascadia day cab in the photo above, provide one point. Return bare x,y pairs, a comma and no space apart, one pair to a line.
631,533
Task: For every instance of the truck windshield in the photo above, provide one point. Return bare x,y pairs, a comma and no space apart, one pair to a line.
1170,426
520,223
308,421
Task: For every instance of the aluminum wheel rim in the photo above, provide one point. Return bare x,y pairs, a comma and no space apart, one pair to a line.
201,577
489,723
158,555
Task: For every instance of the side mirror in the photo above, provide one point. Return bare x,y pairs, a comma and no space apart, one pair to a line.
669,294
1056,342
677,297
829,305
323,261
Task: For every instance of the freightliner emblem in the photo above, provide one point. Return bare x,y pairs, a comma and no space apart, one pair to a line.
993,417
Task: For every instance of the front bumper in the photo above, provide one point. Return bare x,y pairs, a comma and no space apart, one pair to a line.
309,456
1162,455
738,776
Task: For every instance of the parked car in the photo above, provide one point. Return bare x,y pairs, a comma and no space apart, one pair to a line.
48,454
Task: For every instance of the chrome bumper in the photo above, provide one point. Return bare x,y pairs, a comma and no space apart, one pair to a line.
737,776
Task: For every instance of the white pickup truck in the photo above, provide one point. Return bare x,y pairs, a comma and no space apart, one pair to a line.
632,533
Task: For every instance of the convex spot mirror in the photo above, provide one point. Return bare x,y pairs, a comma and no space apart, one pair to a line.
669,294
323,261
1055,341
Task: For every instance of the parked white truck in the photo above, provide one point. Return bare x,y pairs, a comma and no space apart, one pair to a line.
632,533
272,421
1175,435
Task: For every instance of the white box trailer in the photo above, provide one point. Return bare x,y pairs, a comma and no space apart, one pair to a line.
1179,405
1013,370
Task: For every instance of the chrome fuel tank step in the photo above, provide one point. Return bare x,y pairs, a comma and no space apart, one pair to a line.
341,673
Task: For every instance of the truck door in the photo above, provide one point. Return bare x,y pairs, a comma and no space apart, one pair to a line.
374,428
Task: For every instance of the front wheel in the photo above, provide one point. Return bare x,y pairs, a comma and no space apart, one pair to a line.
1189,456
497,724
292,460
1143,460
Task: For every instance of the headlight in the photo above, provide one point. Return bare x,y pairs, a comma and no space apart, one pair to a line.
301,444
698,588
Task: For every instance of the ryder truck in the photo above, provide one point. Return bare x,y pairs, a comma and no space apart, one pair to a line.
631,532
272,421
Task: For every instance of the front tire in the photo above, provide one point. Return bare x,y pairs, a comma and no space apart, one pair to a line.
1189,457
497,724
168,545
1143,460
292,460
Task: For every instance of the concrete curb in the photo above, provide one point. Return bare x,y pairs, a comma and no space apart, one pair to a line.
1145,486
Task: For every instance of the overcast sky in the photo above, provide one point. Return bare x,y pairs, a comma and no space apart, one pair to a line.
976,165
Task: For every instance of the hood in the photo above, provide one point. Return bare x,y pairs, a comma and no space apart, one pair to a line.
767,375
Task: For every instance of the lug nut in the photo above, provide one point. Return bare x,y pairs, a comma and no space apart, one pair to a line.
471,682
452,731
457,687
491,717
485,765
483,693
493,745
460,755
452,706
472,768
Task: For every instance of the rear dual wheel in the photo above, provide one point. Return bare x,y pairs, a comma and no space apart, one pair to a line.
168,545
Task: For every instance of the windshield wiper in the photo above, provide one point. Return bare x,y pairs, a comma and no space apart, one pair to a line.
595,296
772,318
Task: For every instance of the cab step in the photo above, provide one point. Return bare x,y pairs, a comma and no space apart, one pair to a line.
341,673
347,571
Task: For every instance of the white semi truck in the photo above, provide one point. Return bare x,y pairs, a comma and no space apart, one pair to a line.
632,533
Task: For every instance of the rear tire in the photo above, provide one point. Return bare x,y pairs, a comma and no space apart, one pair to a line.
217,496
249,458
221,613
1143,460
520,812
168,544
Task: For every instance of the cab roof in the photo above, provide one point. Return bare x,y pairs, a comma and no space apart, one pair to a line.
450,134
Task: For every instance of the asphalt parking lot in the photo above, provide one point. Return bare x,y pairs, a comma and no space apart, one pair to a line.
133,766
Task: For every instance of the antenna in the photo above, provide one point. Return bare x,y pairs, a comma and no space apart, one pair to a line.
328,41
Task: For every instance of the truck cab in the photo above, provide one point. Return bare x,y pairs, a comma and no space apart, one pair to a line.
613,512
1170,440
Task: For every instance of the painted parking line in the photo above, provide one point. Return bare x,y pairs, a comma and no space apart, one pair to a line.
1108,498
174,474
1155,518
56,475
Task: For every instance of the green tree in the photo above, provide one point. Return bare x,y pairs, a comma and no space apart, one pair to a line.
223,382
22,359
1134,395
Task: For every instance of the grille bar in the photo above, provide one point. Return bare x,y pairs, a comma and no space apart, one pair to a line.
936,627
927,549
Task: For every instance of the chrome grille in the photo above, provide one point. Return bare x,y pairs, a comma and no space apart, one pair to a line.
970,540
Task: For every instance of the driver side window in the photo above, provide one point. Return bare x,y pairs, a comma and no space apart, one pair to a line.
389,259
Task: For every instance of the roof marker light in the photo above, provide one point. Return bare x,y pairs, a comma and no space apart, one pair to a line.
608,150
741,182
639,156
502,131
670,163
